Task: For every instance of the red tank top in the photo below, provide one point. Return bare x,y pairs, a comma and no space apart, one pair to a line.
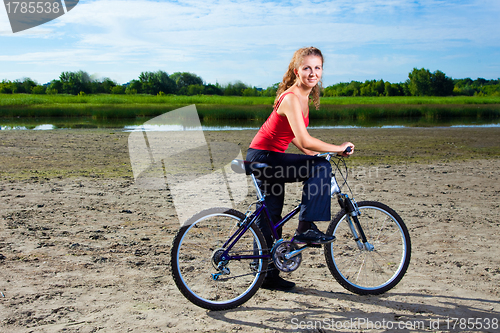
276,133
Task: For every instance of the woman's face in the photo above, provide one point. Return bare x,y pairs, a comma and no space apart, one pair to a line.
310,71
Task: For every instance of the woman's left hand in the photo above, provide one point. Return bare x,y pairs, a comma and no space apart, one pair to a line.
344,147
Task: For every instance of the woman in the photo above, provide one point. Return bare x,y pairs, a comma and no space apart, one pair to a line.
288,123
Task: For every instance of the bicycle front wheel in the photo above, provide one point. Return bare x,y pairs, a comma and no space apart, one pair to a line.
196,254
377,266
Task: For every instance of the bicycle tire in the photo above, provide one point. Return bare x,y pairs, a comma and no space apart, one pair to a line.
369,272
192,255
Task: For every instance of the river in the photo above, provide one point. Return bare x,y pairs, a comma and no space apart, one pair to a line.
220,125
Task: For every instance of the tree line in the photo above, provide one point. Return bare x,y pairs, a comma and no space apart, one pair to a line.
420,82
152,83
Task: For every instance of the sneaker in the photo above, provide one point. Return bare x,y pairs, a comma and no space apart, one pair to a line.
313,236
277,283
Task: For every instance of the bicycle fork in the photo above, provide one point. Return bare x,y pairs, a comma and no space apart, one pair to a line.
352,212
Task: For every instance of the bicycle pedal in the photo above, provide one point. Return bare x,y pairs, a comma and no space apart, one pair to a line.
307,244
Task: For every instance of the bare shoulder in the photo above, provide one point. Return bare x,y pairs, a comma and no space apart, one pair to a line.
289,103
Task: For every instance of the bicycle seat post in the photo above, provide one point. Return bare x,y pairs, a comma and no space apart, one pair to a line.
259,193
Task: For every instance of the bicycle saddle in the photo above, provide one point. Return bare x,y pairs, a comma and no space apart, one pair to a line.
240,166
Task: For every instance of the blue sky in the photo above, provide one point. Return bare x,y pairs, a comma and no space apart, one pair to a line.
253,41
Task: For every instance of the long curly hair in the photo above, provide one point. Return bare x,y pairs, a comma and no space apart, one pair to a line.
289,78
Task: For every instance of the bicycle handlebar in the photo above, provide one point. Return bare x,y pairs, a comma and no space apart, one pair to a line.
348,150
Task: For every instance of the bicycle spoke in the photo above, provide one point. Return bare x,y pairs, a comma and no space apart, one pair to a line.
198,270
360,269
381,228
370,270
381,270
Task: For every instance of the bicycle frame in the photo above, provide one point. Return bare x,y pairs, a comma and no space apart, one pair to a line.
245,225
345,202
222,279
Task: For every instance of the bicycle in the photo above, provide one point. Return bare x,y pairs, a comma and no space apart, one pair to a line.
219,258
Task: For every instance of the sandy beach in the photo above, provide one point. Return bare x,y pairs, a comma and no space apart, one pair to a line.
84,249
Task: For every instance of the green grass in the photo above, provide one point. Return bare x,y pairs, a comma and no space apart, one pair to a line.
104,99
416,100
244,108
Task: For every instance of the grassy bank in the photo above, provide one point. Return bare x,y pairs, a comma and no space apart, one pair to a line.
105,99
8,100
244,108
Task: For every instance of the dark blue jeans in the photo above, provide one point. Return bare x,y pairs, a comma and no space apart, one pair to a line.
315,172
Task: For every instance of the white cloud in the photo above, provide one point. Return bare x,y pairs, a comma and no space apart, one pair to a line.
251,40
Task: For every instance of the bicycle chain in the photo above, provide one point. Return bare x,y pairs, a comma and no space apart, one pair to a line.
237,276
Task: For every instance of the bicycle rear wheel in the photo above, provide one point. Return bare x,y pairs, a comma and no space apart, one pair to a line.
195,254
369,271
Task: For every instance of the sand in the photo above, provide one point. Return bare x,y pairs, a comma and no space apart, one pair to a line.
83,249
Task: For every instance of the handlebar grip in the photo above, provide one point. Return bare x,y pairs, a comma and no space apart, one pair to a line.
347,150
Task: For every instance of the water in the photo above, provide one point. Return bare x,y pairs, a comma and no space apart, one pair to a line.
41,124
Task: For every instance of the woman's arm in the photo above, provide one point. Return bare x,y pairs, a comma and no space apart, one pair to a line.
290,107
302,149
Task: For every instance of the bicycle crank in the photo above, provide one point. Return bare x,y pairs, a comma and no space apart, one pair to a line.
286,256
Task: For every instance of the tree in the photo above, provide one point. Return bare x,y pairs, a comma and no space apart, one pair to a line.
480,81
5,87
441,85
270,91
118,90
334,90
460,83
133,87
194,89
105,85
55,86
154,82
23,86
419,82
378,87
372,88
352,89
185,79
492,90
38,90
235,89
365,89
75,82
249,92
389,89
211,89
